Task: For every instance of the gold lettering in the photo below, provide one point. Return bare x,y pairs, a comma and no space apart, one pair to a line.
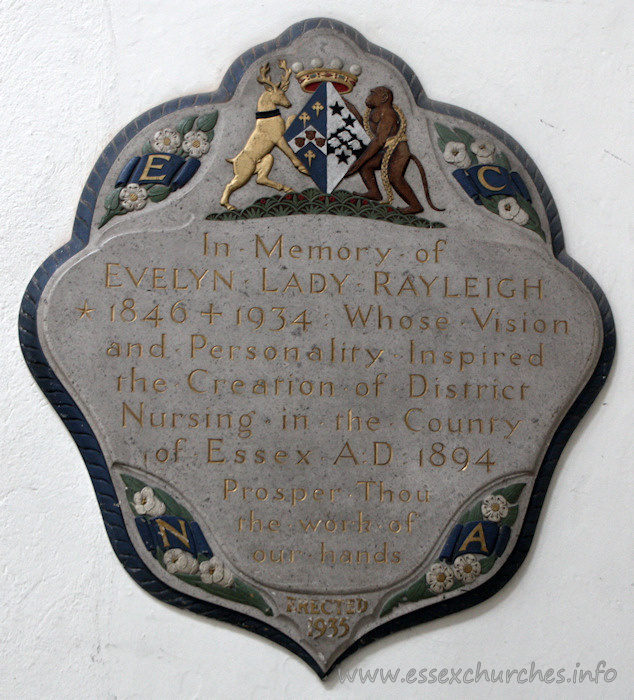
476,535
166,527
145,175
484,182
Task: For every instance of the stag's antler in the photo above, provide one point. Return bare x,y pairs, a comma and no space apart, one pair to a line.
284,82
264,76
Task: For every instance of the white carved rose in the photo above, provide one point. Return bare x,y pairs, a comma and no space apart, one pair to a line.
214,571
196,143
179,562
466,568
509,209
147,503
456,154
166,140
495,508
440,577
133,197
484,150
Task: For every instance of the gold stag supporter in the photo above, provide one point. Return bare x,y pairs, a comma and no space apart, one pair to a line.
256,156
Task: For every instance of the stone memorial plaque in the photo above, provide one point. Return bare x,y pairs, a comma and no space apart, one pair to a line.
319,343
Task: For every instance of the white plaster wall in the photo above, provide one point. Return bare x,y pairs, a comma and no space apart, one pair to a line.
557,75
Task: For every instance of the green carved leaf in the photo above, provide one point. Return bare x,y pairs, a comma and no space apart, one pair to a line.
528,208
110,214
206,122
533,221
147,148
239,592
489,204
416,591
445,133
173,508
392,603
251,596
502,160
474,513
536,228
486,564
464,136
112,202
105,219
185,125
132,483
511,517
159,192
511,493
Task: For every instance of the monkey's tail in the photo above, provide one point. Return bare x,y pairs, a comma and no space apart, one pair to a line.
425,185
391,145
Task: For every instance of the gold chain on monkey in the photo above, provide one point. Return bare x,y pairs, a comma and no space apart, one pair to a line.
391,144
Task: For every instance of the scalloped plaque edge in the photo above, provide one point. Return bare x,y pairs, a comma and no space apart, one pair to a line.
89,447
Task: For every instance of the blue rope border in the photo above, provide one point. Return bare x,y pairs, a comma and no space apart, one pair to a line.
87,442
